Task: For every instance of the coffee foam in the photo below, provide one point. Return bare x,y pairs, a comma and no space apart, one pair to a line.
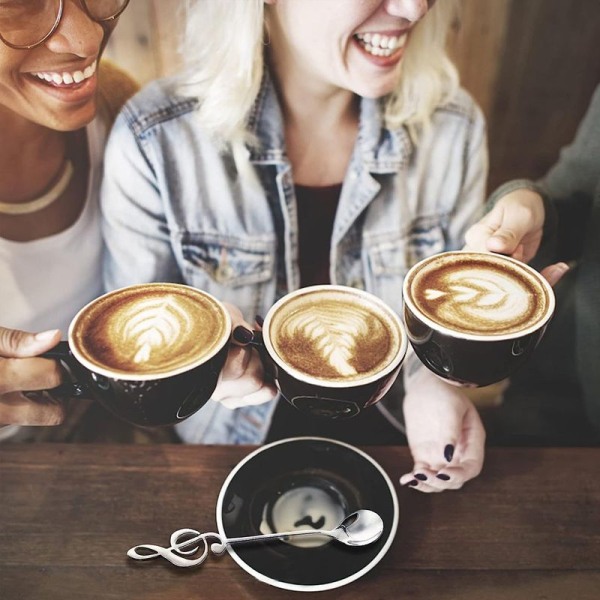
149,329
334,336
478,294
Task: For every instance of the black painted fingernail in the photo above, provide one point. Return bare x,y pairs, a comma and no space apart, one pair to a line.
413,482
449,452
259,320
421,476
242,335
443,476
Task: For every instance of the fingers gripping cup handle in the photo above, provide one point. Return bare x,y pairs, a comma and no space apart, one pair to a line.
72,387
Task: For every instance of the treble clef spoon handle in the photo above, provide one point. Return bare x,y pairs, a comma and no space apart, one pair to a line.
182,546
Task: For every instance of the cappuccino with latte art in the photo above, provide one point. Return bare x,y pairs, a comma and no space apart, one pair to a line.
150,353
474,317
332,350
478,294
154,329
334,335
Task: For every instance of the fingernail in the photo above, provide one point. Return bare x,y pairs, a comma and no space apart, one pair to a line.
259,320
449,452
413,482
44,336
443,476
242,334
421,476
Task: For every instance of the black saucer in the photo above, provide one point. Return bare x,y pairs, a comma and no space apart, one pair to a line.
300,483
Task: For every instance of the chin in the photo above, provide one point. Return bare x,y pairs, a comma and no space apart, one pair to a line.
74,120
375,93
378,89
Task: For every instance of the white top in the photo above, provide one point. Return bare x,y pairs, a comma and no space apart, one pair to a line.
43,283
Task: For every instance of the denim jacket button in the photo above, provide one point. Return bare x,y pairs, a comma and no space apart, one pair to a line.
223,273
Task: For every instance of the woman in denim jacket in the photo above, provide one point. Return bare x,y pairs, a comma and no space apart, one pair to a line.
336,127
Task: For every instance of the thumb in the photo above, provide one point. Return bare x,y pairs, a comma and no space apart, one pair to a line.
15,343
505,241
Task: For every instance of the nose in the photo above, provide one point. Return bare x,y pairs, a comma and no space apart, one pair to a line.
77,33
411,10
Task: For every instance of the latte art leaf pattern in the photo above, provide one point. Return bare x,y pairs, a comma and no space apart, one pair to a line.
333,340
149,329
484,296
154,328
479,298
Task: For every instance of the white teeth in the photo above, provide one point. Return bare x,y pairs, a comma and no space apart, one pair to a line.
89,71
380,45
67,78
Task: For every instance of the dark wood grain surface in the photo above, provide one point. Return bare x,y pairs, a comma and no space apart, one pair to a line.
528,528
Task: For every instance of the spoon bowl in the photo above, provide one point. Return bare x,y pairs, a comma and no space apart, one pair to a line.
359,528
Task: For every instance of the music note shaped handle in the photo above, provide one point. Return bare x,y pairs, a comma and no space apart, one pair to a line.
184,543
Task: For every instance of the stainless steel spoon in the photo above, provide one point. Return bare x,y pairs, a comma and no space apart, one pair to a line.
357,529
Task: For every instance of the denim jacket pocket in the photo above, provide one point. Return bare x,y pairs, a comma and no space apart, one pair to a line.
389,259
228,261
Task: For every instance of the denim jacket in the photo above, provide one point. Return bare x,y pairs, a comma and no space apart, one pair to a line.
176,209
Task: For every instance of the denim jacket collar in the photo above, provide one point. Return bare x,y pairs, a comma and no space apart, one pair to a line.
379,149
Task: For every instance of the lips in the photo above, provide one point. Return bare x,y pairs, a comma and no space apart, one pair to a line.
74,86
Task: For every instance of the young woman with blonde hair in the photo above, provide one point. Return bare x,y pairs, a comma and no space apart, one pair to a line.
307,142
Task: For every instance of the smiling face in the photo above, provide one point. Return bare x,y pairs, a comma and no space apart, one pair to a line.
357,45
54,84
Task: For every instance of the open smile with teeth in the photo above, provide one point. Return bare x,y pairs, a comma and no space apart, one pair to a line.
378,44
64,79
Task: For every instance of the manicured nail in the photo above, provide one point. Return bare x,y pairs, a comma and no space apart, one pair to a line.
259,320
421,476
44,336
242,335
443,476
413,482
449,452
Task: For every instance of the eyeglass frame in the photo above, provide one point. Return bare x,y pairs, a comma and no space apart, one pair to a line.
83,4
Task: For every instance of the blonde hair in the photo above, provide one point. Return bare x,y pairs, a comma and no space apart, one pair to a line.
223,52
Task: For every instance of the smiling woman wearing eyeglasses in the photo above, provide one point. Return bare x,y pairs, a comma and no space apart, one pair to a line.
51,88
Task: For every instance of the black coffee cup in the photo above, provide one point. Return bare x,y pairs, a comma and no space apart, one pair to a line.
150,353
331,350
473,318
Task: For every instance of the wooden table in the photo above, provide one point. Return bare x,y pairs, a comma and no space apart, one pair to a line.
528,528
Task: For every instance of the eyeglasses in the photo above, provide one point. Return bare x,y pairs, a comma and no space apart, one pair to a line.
26,24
